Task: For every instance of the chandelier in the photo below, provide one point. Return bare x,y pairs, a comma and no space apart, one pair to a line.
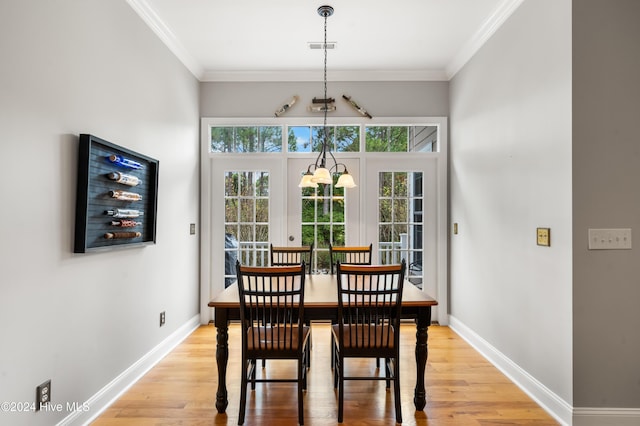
320,172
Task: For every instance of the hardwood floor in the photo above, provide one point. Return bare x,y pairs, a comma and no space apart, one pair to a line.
462,389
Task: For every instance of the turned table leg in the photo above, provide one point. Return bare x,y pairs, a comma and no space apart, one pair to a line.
222,357
422,324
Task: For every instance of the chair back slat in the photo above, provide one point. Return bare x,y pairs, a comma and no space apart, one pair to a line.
350,255
272,307
369,303
291,256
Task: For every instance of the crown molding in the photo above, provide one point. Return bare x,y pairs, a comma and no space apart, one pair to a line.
335,75
490,26
151,18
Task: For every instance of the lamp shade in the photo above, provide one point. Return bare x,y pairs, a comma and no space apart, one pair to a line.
321,175
307,182
345,181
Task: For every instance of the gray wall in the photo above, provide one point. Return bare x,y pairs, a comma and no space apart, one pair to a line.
510,172
380,99
606,172
87,66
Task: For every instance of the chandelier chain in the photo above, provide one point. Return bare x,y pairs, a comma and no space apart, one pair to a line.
326,131
322,173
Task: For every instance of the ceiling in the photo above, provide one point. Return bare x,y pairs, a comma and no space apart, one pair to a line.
258,40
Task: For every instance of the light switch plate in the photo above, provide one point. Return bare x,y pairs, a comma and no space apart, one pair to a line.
610,239
543,236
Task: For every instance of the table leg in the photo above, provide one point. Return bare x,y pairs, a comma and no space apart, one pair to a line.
422,324
222,357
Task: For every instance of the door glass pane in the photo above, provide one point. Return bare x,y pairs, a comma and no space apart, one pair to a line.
400,221
246,220
323,222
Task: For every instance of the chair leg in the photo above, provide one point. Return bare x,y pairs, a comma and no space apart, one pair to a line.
243,393
308,352
305,355
309,345
301,385
336,372
387,371
333,352
253,374
396,389
340,369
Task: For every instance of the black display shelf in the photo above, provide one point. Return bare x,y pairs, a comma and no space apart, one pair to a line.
93,224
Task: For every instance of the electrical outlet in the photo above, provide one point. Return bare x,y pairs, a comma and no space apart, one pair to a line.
162,318
43,394
192,229
544,236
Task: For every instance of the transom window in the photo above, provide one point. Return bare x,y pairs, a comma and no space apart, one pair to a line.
253,139
246,139
401,139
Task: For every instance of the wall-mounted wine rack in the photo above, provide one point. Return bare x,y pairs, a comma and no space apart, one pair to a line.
117,196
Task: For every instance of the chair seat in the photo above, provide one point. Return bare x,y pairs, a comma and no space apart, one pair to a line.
365,335
276,338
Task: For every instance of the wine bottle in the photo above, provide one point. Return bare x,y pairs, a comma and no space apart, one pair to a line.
125,223
124,162
286,106
124,179
121,235
124,213
125,196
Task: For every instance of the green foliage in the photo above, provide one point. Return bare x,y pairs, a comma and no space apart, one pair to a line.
246,139
387,138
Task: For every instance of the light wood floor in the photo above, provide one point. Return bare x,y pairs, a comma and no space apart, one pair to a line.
462,389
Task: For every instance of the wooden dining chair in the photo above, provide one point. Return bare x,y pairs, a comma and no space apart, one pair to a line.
290,256
272,318
350,255
369,305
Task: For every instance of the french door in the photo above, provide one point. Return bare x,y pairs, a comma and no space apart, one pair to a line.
404,219
251,199
243,211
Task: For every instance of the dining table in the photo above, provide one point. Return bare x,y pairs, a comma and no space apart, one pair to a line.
321,304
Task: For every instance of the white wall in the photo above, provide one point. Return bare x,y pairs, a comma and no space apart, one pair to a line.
87,66
510,172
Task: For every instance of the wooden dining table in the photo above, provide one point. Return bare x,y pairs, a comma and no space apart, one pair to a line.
321,304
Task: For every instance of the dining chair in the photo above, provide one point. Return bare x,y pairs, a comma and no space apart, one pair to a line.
290,256
350,255
369,305
273,327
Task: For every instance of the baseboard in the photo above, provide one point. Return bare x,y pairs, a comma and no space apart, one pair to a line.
549,401
606,416
112,391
